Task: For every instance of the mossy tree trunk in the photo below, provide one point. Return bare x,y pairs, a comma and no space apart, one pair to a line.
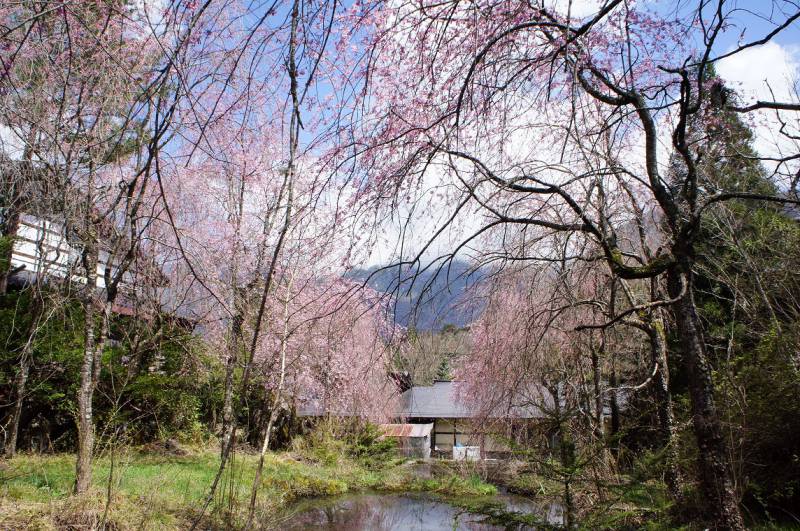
713,458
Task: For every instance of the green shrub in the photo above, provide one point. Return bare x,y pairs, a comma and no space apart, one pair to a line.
168,388
369,447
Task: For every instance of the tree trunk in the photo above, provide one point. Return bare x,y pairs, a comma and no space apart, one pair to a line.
135,358
19,394
713,458
666,418
230,368
20,382
597,384
278,398
614,406
83,464
566,450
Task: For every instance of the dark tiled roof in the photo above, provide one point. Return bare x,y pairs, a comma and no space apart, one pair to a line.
441,401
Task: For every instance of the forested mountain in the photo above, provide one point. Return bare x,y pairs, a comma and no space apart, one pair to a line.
428,299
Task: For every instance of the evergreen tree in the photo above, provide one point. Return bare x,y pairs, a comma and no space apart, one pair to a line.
749,300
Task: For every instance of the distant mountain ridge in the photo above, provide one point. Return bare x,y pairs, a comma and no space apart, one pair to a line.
430,299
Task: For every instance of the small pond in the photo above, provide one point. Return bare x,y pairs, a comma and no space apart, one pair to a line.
383,512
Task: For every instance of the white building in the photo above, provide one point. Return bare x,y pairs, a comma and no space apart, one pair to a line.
43,247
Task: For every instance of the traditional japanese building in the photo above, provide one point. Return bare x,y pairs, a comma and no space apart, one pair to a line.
434,417
455,424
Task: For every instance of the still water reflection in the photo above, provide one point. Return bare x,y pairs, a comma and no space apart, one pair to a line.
399,512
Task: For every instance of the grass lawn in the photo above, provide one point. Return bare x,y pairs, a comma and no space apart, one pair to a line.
153,491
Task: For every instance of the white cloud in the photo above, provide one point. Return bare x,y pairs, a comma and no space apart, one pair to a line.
414,224
769,73
753,71
578,8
